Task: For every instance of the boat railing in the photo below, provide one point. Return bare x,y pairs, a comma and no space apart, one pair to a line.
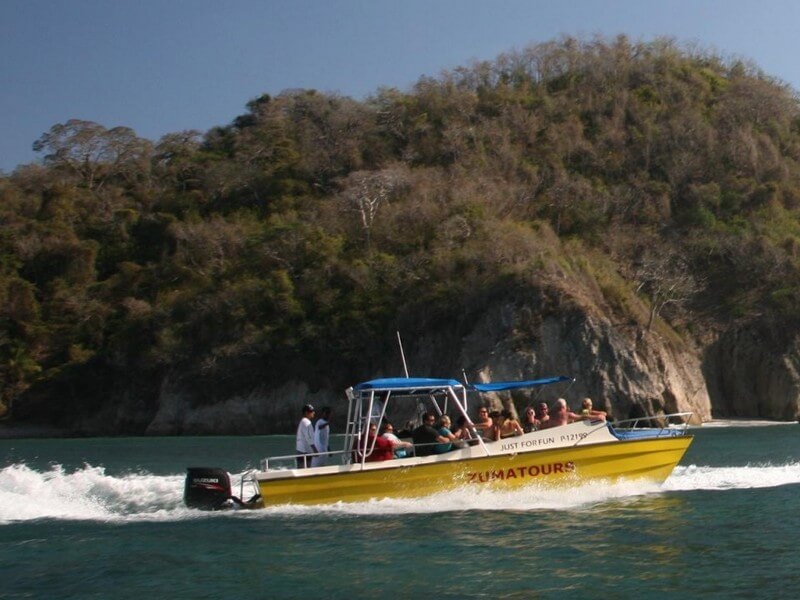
670,425
349,456
248,477
658,426
671,422
454,445
291,459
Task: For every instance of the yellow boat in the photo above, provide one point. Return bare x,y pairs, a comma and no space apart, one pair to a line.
567,455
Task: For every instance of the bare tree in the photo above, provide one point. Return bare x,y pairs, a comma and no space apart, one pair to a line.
666,280
366,191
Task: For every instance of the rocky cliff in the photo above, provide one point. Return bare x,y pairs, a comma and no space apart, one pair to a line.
754,371
748,371
624,371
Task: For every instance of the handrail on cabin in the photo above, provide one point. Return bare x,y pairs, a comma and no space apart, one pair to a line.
633,425
635,422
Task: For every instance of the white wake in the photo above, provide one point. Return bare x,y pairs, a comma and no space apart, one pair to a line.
91,494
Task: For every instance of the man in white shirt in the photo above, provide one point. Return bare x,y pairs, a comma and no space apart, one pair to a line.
322,436
305,437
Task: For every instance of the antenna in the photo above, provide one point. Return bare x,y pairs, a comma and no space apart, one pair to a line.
402,354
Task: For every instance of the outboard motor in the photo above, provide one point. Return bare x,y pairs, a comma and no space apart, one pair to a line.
207,488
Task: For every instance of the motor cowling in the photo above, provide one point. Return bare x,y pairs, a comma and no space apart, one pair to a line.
207,488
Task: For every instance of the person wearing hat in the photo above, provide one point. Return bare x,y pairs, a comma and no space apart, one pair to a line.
305,438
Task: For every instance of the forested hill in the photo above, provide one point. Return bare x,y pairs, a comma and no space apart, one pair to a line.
294,242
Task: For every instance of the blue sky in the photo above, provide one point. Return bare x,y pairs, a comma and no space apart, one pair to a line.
160,66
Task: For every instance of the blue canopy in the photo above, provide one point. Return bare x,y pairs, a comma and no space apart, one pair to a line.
425,383
393,383
502,386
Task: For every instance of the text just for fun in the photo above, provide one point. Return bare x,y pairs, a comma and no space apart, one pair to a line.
526,444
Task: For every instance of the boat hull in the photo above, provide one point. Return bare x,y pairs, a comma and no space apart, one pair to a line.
647,459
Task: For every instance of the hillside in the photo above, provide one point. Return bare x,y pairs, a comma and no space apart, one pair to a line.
626,213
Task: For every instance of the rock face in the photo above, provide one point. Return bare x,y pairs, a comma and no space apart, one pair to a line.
610,365
754,371
749,371
263,410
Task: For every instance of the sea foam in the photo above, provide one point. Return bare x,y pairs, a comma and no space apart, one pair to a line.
92,494
88,493
694,477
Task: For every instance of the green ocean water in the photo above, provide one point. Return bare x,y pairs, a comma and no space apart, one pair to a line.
103,518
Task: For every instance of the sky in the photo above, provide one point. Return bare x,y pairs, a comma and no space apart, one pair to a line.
162,66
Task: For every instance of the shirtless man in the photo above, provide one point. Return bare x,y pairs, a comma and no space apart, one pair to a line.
483,424
561,414
543,415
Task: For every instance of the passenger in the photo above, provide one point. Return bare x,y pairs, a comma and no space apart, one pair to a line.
465,432
382,449
508,425
426,435
401,448
304,442
483,424
461,430
444,431
322,436
494,433
587,412
406,430
543,415
562,415
529,421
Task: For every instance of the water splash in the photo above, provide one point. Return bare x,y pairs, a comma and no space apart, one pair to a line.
91,494
86,494
695,477
526,499
724,423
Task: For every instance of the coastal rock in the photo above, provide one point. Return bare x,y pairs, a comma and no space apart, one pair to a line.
625,375
262,410
749,371
624,372
754,371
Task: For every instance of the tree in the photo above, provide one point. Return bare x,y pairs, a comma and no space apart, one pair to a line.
175,161
665,278
92,152
366,191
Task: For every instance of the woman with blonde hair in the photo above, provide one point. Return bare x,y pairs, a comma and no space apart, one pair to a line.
587,412
444,431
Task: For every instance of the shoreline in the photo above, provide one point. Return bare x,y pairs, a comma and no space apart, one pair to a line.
745,422
14,432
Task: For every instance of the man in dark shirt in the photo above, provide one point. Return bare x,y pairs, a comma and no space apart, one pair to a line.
428,435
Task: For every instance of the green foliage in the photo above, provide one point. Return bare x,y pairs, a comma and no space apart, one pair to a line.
306,231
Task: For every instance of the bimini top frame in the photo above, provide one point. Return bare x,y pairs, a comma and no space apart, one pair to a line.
367,402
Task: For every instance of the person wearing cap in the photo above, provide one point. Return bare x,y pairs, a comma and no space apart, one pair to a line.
305,438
